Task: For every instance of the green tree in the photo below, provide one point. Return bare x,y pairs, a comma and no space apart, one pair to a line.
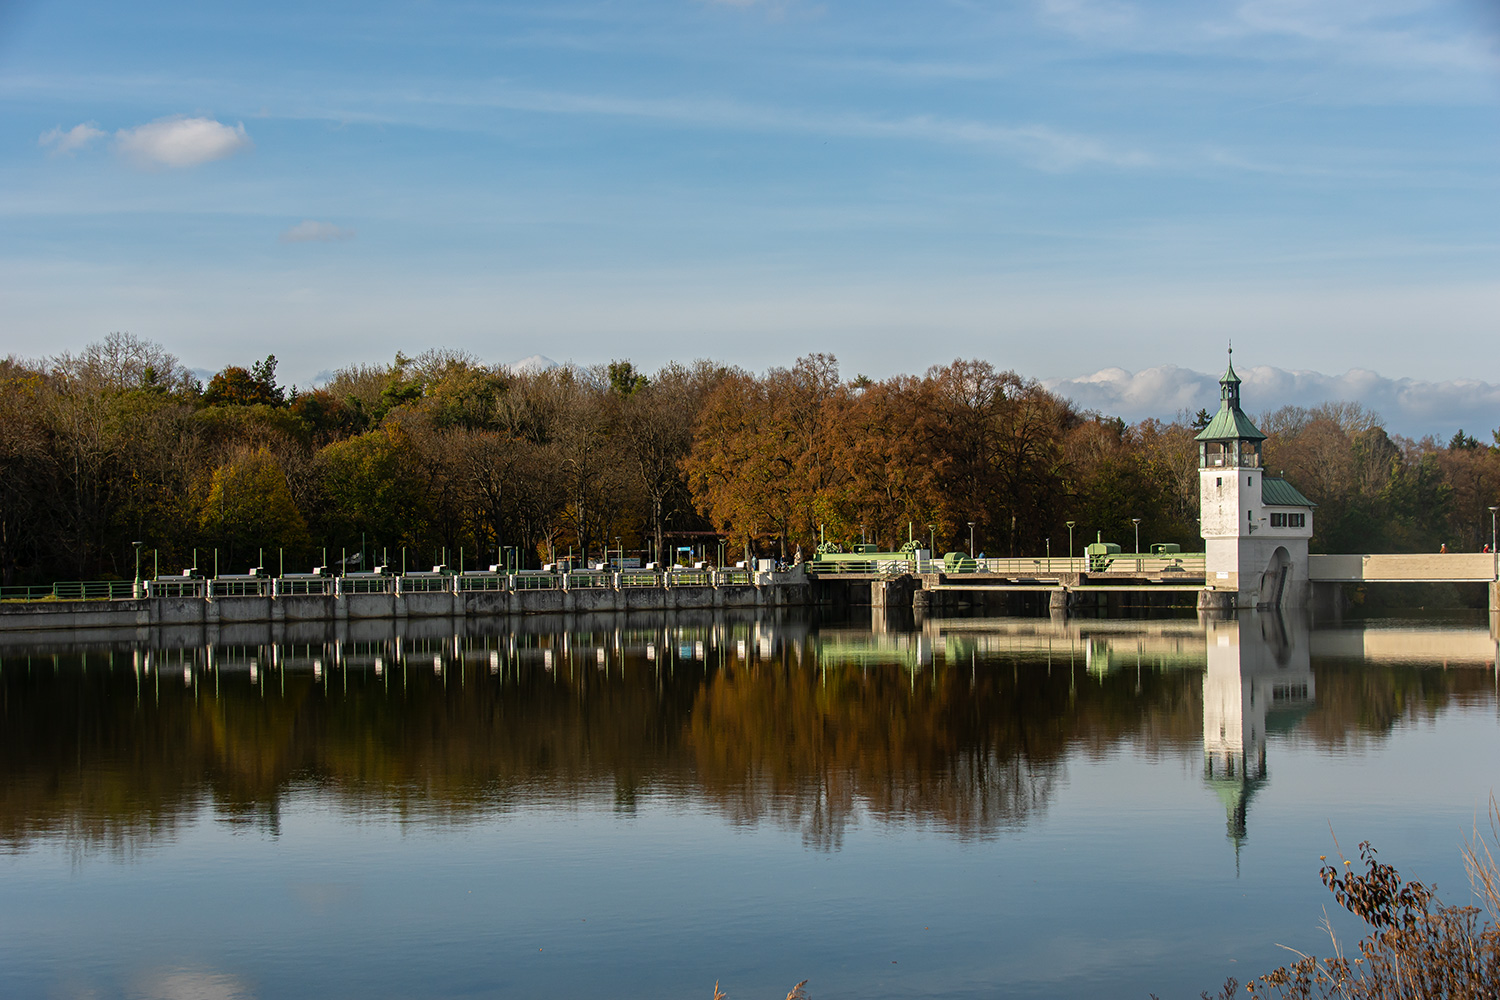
235,386
249,506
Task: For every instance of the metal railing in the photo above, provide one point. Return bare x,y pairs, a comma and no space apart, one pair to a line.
317,585
640,578
424,583
589,580
367,583
1185,562
1043,566
484,582
529,579
240,586
84,590
177,586
303,585
846,566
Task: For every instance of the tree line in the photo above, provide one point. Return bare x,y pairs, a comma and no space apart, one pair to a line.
442,453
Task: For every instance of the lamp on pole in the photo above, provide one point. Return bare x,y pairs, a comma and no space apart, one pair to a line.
971,539
931,541
1070,538
1137,522
1495,557
135,591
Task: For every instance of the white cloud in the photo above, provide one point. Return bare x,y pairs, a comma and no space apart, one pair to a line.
70,140
1412,407
309,231
181,142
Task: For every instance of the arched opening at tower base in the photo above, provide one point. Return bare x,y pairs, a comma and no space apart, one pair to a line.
1273,580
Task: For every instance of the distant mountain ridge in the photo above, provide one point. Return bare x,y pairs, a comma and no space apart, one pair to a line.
532,365
1411,407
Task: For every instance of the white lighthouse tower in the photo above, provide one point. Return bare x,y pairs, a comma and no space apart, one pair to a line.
1255,528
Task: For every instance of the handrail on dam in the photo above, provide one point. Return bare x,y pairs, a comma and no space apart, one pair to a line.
315,585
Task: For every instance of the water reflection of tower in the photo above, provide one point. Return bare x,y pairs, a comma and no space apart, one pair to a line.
1259,680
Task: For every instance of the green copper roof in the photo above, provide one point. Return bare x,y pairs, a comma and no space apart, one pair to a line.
1280,493
1228,424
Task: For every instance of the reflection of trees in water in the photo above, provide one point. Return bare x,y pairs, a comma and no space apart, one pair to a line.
968,751
102,760
89,759
1358,702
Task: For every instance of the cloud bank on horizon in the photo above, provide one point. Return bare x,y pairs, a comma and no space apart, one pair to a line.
1410,407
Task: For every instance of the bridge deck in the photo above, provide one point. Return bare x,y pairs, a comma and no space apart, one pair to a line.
1424,567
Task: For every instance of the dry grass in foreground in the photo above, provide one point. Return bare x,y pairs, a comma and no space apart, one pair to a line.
795,994
1418,948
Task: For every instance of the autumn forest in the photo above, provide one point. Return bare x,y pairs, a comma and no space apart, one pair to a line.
441,452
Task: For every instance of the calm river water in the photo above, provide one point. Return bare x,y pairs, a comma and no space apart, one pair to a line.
641,806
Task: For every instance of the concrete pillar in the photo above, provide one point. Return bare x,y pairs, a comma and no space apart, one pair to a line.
1216,600
1057,600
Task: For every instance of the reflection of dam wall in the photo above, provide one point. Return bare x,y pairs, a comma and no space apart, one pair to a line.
768,629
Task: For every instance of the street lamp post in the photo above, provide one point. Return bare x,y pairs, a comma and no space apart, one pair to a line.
931,541
971,539
1494,556
1070,538
135,590
1137,522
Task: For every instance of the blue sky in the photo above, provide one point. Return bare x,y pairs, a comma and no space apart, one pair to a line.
1058,186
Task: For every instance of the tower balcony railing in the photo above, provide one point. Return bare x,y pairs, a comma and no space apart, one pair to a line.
1226,460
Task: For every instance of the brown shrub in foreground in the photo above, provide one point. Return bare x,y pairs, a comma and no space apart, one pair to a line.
1418,948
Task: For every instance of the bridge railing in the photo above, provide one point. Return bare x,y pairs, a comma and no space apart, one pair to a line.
639,578
531,579
589,580
240,586
1029,567
423,583
482,582
1190,563
690,578
177,586
304,585
318,585
367,583
71,590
